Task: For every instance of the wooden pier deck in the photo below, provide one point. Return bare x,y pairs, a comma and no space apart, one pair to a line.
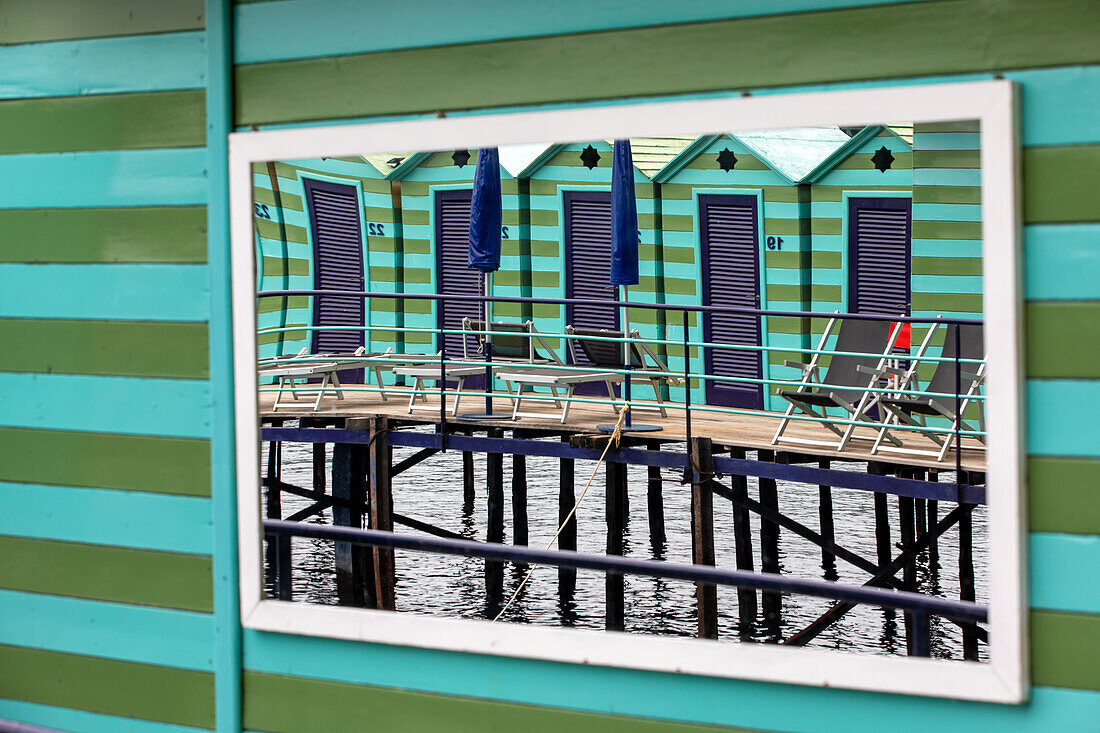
752,432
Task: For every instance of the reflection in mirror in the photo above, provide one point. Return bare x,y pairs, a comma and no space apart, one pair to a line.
742,375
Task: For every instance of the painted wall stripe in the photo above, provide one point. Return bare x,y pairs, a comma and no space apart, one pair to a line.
129,462
55,20
1057,337
1065,649
1062,495
175,234
178,408
120,292
99,572
106,517
938,40
1060,184
1057,424
103,122
1062,262
103,66
111,630
171,177
108,686
1065,572
69,719
116,348
621,691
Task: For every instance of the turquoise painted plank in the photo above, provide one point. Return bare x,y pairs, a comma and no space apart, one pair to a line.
943,247
103,66
133,406
856,178
101,516
111,630
677,697
81,721
947,283
174,177
947,141
1060,422
1065,572
947,212
288,30
123,292
1062,261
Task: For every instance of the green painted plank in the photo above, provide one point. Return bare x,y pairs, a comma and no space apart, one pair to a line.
948,302
947,230
1065,649
1063,495
273,304
99,572
174,119
1060,183
1062,338
108,686
864,162
825,226
107,461
951,126
274,267
946,194
161,234
119,348
279,703
938,39
56,20
946,265
947,159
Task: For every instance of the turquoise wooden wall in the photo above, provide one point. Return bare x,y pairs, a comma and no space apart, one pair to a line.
117,529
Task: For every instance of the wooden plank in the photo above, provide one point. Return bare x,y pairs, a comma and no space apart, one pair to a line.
107,348
1060,184
381,511
702,535
108,686
1062,495
1056,331
57,20
1065,649
122,575
175,234
172,119
939,39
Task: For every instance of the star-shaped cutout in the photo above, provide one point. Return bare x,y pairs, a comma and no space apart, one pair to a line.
882,159
727,160
590,157
461,157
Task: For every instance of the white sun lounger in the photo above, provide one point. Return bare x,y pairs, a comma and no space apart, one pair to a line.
289,371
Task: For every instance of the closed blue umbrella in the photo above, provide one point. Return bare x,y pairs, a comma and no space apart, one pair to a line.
485,222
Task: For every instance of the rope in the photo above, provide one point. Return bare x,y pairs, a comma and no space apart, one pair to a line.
616,433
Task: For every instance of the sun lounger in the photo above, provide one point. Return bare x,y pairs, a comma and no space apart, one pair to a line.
289,371
846,381
914,410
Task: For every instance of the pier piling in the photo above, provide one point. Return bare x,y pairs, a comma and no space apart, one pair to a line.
614,511
742,543
825,519
381,510
702,534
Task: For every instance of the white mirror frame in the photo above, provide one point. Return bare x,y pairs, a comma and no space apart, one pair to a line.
1002,679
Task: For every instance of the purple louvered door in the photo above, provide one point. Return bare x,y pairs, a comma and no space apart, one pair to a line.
729,233
588,260
338,265
453,274
879,247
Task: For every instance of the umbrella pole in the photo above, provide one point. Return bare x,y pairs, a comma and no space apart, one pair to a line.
626,358
488,347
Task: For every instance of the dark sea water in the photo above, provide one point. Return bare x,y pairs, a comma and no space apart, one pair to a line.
449,586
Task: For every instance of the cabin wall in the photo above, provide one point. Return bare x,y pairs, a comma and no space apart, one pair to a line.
781,273
118,319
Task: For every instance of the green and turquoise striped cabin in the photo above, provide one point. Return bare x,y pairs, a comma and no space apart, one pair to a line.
286,251
423,179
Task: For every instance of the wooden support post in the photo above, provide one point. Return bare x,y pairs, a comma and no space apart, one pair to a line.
742,545
354,563
319,469
882,519
921,510
494,482
656,506
933,518
274,475
467,482
519,496
702,535
613,513
381,511
966,578
825,519
771,603
907,531
567,540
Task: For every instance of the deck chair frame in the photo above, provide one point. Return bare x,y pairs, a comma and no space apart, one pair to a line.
291,370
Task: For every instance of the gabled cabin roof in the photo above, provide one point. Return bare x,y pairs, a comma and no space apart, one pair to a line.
691,152
649,154
411,163
848,148
795,151
381,161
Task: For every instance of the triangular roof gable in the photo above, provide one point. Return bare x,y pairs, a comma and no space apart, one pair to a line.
601,146
411,164
700,146
849,149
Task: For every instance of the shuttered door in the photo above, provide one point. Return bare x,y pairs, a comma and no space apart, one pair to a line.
879,245
588,260
453,274
338,265
731,277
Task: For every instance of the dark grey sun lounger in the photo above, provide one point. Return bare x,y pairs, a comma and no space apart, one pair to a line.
914,410
846,382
